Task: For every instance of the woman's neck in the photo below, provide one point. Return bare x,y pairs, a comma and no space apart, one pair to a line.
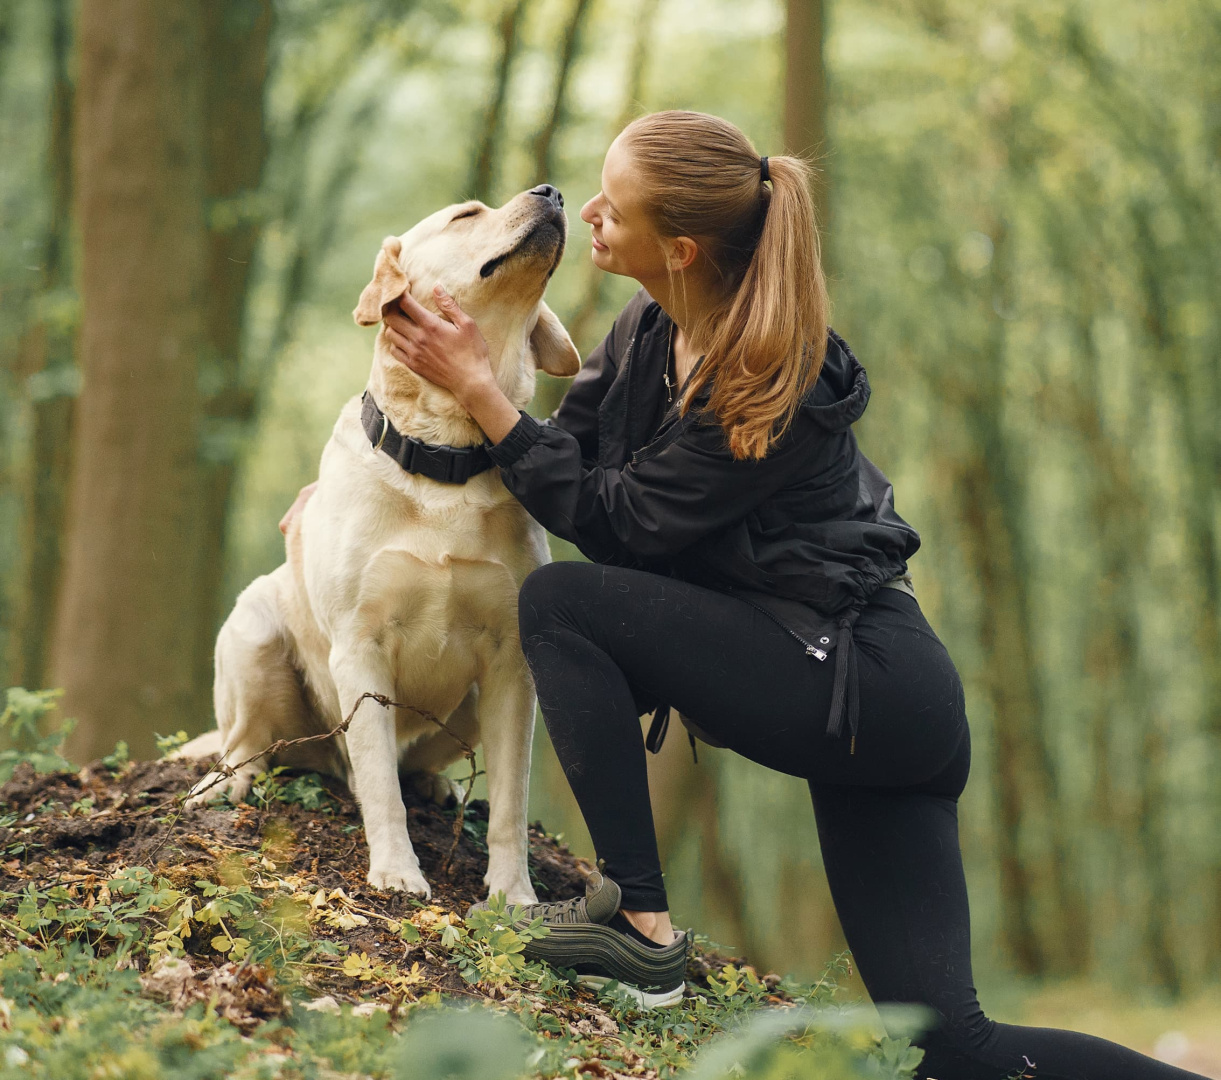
685,300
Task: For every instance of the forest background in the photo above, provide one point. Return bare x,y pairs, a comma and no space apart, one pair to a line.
1022,225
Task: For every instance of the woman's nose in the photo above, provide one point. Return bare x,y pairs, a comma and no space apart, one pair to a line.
550,193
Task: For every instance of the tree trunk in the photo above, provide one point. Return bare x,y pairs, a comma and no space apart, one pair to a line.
595,279
234,44
483,169
1007,677
125,631
1027,789
51,381
805,93
544,141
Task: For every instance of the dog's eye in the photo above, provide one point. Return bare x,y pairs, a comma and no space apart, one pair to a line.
466,213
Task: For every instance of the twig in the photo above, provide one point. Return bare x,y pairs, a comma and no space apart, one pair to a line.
225,771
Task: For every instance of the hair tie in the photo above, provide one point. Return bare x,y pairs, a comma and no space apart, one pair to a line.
764,174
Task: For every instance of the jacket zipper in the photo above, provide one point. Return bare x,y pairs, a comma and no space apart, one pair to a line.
811,650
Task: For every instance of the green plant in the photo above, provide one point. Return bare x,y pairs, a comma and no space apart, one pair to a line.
22,725
305,789
116,761
467,1044
166,744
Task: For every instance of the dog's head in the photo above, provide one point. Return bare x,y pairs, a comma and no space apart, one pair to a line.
495,264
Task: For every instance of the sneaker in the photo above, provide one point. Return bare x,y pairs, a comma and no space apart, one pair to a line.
580,940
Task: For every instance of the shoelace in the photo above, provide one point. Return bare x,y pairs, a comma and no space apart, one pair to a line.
559,911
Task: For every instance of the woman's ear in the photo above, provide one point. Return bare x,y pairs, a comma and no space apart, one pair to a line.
553,349
681,254
388,284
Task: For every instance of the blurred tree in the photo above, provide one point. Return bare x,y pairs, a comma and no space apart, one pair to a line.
48,367
805,94
125,631
234,48
544,141
483,169
589,306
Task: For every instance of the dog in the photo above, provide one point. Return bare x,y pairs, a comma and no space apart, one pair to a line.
405,586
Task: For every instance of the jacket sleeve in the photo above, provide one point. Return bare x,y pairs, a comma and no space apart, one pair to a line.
653,508
578,411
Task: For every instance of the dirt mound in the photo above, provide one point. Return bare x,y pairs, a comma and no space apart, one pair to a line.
131,817
297,832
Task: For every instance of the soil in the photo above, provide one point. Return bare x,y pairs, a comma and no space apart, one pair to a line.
134,820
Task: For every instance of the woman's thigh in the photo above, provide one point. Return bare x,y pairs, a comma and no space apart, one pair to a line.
749,684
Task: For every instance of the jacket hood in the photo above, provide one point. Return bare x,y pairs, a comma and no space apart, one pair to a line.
837,400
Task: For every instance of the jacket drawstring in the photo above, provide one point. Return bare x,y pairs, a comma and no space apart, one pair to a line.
844,699
658,729
657,733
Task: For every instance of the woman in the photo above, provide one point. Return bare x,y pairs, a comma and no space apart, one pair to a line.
747,568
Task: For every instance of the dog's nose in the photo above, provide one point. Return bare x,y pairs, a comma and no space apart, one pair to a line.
550,193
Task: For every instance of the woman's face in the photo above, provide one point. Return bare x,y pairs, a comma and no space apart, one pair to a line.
624,239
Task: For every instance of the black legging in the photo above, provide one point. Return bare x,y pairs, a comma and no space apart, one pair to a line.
604,643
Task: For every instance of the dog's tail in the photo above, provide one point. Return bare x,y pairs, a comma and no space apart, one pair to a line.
209,744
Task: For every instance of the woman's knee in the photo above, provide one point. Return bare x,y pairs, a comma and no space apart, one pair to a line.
548,595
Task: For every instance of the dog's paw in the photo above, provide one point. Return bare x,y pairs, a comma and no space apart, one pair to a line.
435,787
407,879
516,891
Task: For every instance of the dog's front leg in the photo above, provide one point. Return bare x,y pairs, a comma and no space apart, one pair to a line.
373,753
506,727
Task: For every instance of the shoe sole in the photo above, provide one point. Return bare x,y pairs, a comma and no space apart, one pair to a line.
644,998
592,949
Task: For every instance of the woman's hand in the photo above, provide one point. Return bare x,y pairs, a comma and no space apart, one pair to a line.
301,499
450,351
447,350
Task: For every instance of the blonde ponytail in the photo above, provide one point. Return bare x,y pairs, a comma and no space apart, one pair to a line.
765,340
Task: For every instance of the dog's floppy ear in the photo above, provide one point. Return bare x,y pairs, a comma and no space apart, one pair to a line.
554,351
388,284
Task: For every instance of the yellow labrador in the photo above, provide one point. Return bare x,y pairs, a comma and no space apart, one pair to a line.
403,585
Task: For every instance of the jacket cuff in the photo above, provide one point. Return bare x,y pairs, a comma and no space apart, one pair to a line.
513,446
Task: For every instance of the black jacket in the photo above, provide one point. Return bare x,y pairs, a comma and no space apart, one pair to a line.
807,534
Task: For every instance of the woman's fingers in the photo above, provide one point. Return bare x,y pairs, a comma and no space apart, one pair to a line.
449,307
417,312
301,499
404,338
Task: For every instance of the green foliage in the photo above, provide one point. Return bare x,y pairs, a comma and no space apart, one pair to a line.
136,912
167,744
305,789
72,950
73,1016
116,761
22,724
472,1044
489,948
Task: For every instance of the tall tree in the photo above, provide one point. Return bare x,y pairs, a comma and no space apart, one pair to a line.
125,629
544,141
581,320
805,92
991,482
47,365
483,168
234,44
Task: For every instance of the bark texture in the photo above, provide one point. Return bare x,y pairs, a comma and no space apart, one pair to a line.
125,632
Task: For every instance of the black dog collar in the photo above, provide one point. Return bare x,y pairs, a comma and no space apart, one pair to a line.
448,464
